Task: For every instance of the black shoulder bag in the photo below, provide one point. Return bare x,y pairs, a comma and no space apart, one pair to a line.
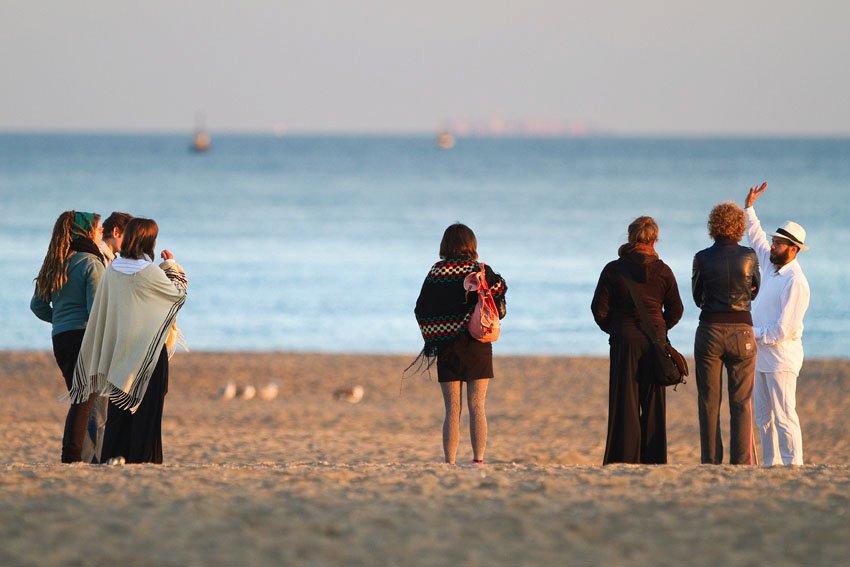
672,366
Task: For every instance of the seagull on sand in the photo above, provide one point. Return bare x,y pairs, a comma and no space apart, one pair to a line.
248,392
269,391
228,392
351,395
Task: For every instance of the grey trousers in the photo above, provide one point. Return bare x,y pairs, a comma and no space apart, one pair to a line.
731,345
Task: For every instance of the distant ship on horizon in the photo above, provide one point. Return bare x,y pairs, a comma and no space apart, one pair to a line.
445,140
496,127
201,141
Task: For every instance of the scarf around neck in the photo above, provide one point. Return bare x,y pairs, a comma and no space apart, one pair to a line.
637,248
86,244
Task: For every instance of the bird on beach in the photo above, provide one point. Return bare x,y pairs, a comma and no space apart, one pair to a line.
228,392
351,395
269,391
247,392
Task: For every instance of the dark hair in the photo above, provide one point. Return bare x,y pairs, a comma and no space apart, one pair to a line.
459,243
643,230
116,220
139,238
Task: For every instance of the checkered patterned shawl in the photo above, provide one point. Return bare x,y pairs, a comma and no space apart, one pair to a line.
444,307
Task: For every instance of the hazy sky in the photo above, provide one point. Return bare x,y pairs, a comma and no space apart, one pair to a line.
649,66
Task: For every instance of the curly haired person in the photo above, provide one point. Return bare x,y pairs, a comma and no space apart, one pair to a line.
724,281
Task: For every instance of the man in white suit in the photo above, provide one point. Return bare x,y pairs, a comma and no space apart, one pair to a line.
778,329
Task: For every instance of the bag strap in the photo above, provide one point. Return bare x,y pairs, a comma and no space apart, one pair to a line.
482,278
646,323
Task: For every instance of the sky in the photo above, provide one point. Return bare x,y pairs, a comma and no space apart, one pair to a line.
394,66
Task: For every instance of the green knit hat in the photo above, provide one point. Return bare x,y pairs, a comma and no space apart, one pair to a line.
84,223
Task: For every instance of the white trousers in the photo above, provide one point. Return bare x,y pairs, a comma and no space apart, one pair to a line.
775,408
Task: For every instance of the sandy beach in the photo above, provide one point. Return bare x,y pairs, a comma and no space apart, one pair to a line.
308,479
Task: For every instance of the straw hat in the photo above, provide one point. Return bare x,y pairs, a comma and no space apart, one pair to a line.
793,232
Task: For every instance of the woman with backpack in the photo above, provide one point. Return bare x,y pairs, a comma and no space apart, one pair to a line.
637,414
64,292
444,310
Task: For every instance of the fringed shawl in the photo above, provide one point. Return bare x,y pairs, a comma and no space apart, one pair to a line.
444,307
132,317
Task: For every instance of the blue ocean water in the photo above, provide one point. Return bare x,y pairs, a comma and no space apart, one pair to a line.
322,243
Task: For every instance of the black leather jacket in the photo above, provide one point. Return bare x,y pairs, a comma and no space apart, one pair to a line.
725,277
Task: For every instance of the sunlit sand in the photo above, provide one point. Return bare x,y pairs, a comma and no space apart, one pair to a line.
304,478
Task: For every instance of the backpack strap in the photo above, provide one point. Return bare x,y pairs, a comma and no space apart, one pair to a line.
482,278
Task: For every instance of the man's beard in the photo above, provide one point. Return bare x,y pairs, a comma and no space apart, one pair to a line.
780,259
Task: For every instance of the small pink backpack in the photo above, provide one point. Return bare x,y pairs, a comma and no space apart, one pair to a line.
484,324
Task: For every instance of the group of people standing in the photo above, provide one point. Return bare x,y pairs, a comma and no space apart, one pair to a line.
113,321
752,301
114,325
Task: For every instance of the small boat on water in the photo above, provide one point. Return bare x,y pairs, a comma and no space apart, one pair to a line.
445,140
201,142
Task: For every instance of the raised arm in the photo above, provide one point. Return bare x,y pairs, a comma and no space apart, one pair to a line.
755,234
174,271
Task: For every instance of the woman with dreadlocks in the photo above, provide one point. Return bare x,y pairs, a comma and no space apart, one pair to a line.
64,292
443,311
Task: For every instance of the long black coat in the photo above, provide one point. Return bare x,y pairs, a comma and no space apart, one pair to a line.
637,410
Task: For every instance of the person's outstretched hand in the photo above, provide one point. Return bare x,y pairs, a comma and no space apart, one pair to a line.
755,193
166,255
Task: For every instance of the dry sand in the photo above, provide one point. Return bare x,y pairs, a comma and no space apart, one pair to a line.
305,479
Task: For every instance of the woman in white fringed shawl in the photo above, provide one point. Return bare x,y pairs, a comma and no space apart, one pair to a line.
128,341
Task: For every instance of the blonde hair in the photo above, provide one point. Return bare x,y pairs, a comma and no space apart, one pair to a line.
643,230
54,269
727,220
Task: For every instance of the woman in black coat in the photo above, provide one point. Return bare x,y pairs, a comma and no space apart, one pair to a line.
636,406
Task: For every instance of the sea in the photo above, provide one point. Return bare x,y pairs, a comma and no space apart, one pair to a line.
321,243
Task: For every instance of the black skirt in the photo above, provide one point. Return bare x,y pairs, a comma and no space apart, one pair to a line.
138,436
465,359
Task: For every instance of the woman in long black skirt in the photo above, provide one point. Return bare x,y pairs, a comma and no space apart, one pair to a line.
637,413
124,355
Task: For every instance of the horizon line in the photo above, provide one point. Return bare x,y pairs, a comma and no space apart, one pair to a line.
265,132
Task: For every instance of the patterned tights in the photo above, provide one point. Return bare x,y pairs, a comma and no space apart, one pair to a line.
476,392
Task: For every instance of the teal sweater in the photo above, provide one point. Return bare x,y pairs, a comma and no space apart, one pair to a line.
70,306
